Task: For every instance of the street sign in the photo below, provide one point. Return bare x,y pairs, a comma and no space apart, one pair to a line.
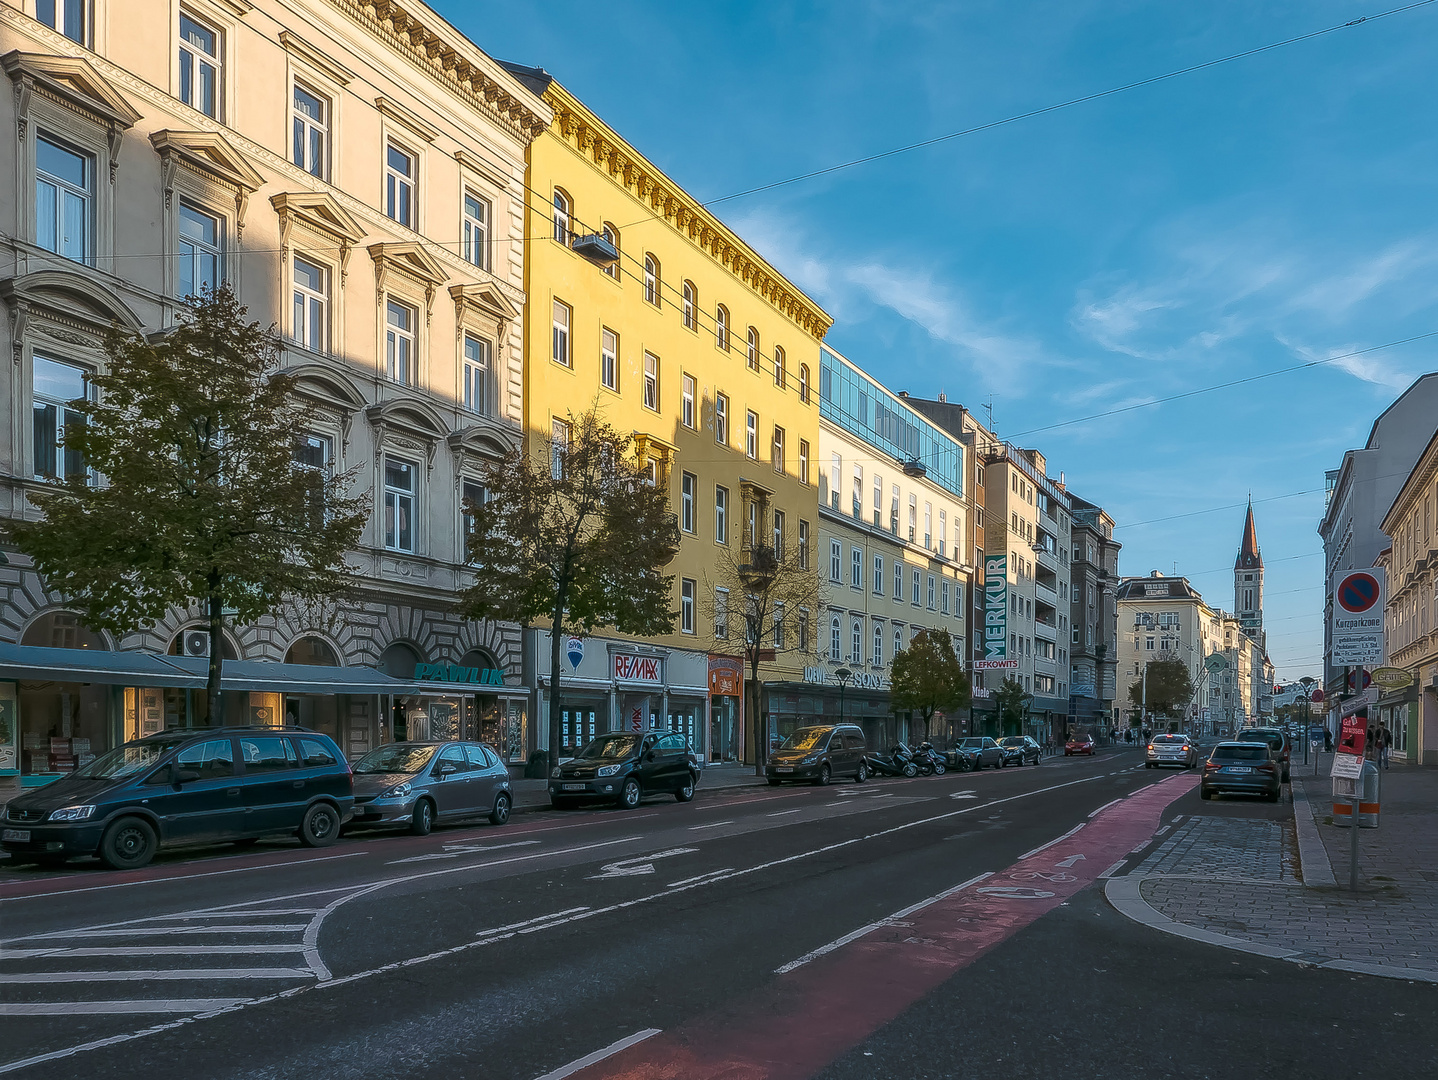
1346,766
1359,680
1357,629
1215,662
1315,734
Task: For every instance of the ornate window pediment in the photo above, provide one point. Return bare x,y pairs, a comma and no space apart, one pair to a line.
209,154
484,440
412,261
320,213
79,299
407,417
73,83
486,301
321,383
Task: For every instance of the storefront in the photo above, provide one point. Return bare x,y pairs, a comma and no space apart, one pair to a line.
819,699
615,685
726,707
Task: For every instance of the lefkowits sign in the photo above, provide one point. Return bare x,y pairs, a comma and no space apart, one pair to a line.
996,613
1357,631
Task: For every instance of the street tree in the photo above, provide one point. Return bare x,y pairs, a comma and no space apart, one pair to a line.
761,602
1011,704
928,677
194,489
580,539
1170,688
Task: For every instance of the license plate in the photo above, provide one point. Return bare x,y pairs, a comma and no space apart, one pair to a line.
783,768
20,836
1238,768
573,787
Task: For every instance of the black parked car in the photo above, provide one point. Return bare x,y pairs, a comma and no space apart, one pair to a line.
195,786
1019,749
1277,740
818,754
625,767
1242,767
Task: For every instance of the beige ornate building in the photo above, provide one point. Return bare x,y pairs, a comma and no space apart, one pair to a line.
355,171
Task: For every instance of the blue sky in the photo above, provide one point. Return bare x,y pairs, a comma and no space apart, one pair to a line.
1263,213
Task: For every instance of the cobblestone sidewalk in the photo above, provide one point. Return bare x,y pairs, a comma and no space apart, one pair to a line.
1239,882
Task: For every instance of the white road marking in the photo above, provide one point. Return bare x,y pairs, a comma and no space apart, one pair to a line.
1051,843
698,877
711,825
1163,830
1113,869
530,922
599,1055
781,813
971,794
454,851
640,864
156,975
1072,860
147,950
73,1008
891,920
170,931
1105,806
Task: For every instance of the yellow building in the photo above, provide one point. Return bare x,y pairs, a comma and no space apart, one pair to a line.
710,357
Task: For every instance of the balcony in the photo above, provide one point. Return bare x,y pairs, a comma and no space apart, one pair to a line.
1045,630
1047,559
1045,595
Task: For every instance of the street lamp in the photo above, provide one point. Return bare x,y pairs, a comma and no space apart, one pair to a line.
843,674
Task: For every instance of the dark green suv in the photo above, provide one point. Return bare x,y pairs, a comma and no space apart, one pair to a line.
192,786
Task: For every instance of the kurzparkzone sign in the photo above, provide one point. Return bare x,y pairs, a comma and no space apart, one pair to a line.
1357,630
996,611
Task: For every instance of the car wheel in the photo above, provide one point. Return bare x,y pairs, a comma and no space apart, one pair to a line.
320,826
1275,796
500,814
940,768
861,773
773,782
128,844
629,794
911,770
686,792
1205,794
825,775
422,820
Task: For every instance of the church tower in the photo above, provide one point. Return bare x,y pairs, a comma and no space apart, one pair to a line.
1248,582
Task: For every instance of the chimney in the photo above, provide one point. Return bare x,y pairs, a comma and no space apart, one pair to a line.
1155,573
943,397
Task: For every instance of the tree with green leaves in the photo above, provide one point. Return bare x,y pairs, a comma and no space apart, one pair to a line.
1011,705
1170,689
579,539
193,490
928,677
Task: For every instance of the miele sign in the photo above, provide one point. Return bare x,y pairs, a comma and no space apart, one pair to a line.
627,667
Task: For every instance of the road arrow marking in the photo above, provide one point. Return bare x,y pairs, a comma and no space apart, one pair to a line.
1070,861
640,864
964,795
1016,892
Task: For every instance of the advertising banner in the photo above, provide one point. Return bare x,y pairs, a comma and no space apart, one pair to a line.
996,608
9,729
1357,630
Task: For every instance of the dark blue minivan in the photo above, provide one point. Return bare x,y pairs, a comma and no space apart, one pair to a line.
191,786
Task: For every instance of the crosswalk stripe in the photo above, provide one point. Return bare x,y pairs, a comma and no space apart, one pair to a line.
295,928
148,950
155,974
72,1008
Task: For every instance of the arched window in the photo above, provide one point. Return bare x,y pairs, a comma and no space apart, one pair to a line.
779,361
563,212
651,279
878,645
721,327
62,630
753,355
612,235
398,661
834,645
691,306
312,650
856,643
804,383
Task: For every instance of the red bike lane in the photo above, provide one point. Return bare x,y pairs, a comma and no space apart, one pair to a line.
822,1005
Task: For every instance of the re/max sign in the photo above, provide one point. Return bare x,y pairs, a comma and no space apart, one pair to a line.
996,607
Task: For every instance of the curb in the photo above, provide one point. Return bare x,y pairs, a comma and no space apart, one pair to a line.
1123,893
1313,864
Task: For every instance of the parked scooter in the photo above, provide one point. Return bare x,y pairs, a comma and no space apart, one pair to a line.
926,752
894,764
922,763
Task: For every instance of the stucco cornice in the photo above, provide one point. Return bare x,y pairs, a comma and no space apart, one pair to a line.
595,140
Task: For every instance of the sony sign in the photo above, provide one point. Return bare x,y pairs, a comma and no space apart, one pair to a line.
996,607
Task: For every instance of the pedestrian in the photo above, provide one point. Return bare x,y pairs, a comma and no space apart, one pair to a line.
1327,741
1385,740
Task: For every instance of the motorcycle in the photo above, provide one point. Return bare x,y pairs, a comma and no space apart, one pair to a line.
935,759
893,765
921,762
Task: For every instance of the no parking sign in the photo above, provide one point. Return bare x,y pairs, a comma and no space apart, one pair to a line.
1358,600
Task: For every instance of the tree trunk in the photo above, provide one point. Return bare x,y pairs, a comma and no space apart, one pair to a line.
751,697
216,700
556,641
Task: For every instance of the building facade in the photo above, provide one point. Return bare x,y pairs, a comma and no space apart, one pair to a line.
1093,615
893,542
356,173
643,306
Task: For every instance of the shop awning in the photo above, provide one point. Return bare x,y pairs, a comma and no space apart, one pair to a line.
32,662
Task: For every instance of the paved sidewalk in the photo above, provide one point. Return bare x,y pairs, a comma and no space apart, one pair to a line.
1267,887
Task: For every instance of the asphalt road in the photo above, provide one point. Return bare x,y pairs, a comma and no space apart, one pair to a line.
716,938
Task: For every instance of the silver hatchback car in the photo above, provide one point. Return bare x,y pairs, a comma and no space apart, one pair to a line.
421,784
1171,750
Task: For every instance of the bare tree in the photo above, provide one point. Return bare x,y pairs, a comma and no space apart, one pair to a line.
762,601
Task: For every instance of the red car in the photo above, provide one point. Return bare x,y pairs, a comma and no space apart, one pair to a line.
1079,744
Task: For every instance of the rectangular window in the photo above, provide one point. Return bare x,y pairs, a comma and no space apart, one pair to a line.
803,544
399,170
916,600
944,598
201,261
558,447
878,657
200,66
687,406
721,419
563,316
803,631
804,461
913,516
894,509
56,384
399,342
312,454
931,592
857,499
686,605
751,434
751,531
311,320
856,568
471,494
836,557
721,613
609,358
943,533
929,526
777,450
779,535
64,182
66,16
779,624
878,575
688,485
651,381
310,119
479,391
474,240
399,504
721,514
898,580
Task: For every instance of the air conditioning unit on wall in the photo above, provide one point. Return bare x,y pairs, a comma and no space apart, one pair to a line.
196,643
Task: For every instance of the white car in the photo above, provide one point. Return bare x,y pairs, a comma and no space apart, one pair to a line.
1171,750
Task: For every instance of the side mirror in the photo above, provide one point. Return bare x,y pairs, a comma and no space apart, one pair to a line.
447,767
185,776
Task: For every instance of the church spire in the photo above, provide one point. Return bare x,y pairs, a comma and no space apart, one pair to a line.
1249,557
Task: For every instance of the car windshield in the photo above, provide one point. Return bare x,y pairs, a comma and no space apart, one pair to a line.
395,758
127,760
1273,738
805,738
973,743
609,747
1012,740
1240,753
